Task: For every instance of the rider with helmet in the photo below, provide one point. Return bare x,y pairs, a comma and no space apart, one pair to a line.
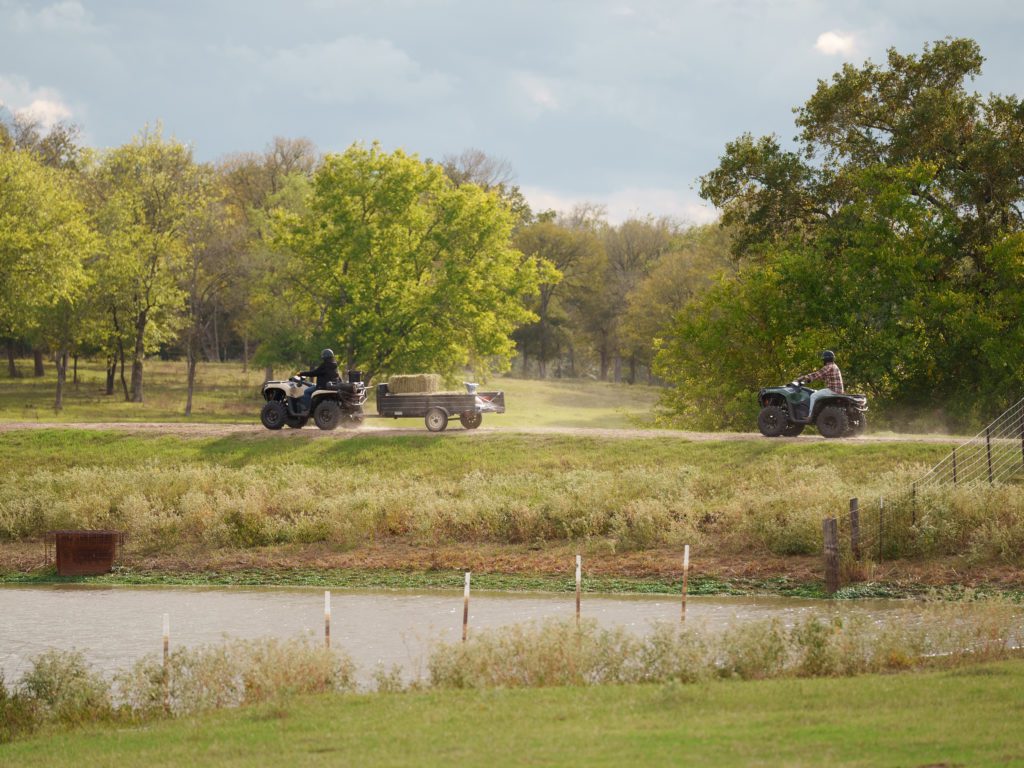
831,374
326,374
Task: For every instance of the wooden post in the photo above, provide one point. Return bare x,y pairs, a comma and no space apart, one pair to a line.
913,504
988,451
327,618
686,573
954,460
465,609
831,535
579,579
167,661
855,528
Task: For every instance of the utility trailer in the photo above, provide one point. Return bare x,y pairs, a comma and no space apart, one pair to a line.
436,408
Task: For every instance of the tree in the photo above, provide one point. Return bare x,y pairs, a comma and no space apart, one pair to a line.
44,235
149,193
893,235
404,270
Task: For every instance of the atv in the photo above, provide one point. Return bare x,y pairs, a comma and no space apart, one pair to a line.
338,403
785,411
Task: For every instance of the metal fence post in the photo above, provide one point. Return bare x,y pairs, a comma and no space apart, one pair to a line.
988,451
855,528
954,458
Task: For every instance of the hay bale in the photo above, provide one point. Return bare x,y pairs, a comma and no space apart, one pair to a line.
417,383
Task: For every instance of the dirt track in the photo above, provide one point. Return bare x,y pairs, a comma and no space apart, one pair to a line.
387,429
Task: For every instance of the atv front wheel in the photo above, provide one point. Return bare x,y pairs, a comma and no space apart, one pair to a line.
772,421
273,414
833,421
327,415
295,422
793,430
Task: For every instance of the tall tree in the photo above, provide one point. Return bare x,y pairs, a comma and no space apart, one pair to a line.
405,270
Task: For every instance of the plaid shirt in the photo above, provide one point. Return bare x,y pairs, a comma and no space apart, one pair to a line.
831,374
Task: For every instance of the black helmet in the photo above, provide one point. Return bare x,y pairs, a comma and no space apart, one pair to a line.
327,354
828,356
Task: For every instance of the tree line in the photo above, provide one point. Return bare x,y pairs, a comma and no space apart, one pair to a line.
398,263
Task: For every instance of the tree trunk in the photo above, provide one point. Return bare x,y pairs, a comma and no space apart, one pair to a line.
124,384
572,360
245,352
12,368
604,364
268,373
191,376
632,369
139,356
39,370
618,369
216,336
62,374
111,374
74,379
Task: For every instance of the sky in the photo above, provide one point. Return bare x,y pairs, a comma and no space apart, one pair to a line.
616,102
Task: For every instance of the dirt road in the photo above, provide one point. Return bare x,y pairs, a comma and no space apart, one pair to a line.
390,428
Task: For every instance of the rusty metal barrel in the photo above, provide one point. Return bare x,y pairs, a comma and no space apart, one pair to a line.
86,553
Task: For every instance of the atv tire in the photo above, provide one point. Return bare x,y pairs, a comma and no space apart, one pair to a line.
833,422
772,421
273,414
295,422
859,426
793,430
327,414
471,419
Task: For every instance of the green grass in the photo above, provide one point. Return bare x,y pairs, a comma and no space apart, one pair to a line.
226,394
969,716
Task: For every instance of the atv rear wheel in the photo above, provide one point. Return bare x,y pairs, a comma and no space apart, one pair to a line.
772,421
859,425
436,420
327,414
471,419
273,414
793,430
833,421
295,422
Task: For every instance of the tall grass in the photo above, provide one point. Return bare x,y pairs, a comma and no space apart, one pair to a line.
729,498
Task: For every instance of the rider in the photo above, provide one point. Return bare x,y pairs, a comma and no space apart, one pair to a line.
325,373
830,372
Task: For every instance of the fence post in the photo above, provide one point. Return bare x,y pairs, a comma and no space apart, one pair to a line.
988,451
327,618
954,458
831,535
686,573
579,579
1022,438
465,609
167,662
855,528
913,504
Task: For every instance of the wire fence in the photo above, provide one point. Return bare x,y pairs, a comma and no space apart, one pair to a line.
887,527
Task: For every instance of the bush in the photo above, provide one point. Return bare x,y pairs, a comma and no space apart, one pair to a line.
65,689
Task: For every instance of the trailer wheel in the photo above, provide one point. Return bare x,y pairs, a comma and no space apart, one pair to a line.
436,420
471,419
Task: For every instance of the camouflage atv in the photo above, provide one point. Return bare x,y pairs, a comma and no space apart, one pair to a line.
786,410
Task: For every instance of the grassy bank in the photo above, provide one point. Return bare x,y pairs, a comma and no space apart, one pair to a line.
958,717
176,496
227,394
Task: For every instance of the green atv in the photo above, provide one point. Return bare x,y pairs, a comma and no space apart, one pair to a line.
786,410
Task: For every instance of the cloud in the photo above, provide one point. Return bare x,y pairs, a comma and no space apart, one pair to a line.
539,92
348,70
833,43
65,16
628,203
44,105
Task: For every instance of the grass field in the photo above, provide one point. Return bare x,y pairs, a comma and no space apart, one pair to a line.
969,716
226,394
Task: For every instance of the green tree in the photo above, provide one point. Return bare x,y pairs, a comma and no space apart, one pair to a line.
891,234
405,270
44,237
150,192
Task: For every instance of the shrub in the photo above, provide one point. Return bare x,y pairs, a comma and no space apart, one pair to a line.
65,689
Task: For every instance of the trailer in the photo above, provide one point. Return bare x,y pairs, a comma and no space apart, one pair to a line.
437,408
